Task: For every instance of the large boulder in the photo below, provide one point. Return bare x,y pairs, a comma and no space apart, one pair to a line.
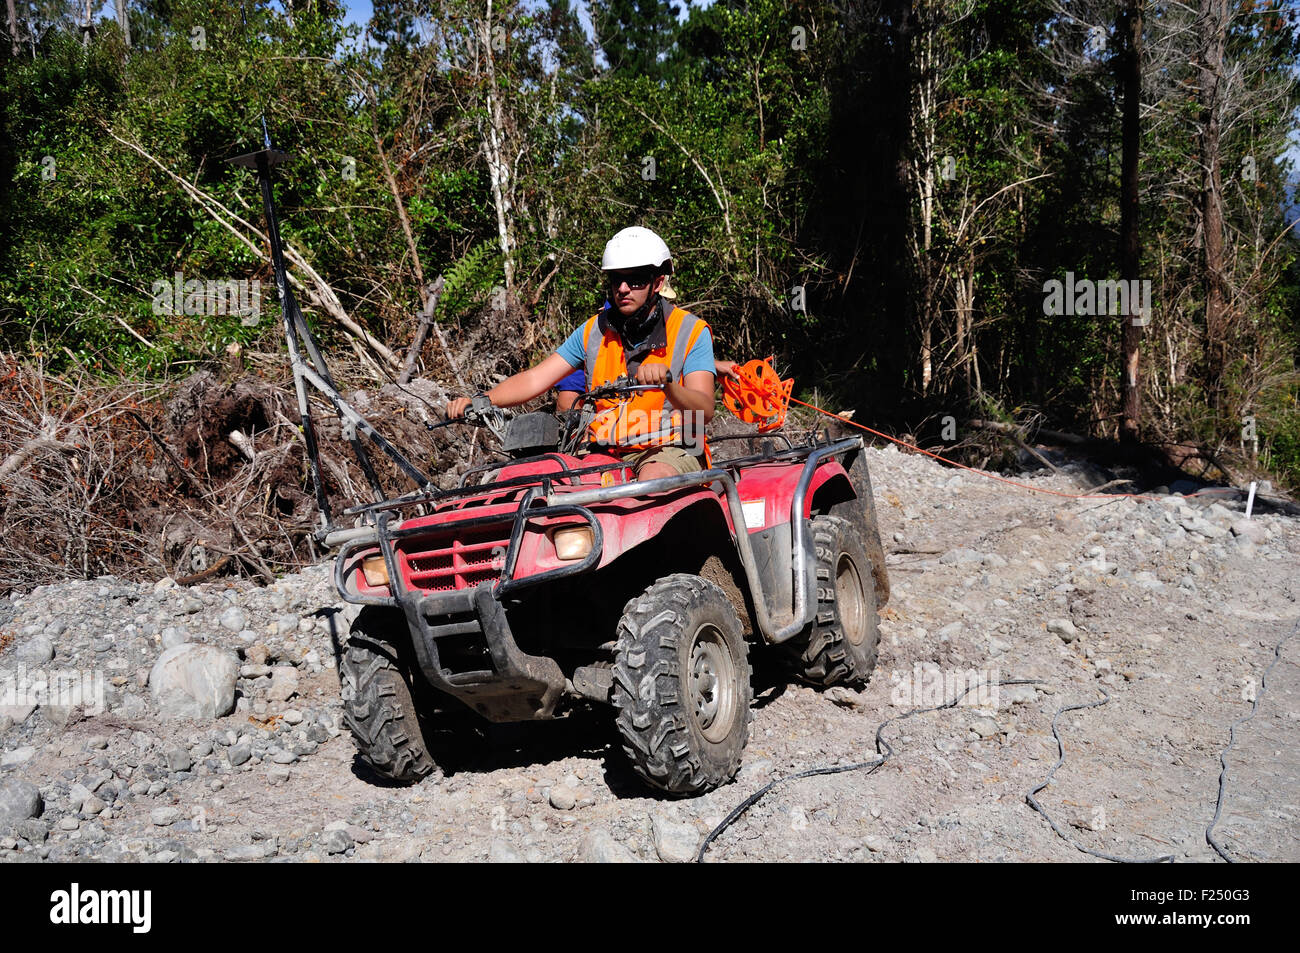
19,801
194,682
36,651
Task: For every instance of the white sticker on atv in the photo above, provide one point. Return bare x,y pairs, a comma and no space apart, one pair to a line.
755,513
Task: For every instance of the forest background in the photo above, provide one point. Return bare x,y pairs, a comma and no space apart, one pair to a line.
918,206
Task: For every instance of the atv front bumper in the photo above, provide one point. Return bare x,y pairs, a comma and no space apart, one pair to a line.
519,687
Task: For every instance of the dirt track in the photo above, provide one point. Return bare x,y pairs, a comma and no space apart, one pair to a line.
1177,624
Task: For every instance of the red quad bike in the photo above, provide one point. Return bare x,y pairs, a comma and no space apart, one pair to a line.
554,578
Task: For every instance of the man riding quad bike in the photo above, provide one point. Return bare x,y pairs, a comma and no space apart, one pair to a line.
613,560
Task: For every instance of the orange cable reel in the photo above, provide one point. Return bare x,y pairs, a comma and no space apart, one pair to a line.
760,396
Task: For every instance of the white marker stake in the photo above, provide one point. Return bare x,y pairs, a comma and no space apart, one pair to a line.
1250,499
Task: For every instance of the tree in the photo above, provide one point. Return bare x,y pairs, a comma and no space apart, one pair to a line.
636,36
1129,29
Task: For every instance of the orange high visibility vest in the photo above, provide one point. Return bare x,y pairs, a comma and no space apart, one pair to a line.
647,419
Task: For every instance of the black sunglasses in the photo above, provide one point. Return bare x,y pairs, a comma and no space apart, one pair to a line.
636,280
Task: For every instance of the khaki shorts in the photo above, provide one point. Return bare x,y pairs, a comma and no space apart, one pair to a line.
683,461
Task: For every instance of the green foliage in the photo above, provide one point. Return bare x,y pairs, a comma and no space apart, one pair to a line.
471,278
773,144
636,36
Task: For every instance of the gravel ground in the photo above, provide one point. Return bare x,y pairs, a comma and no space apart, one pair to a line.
1172,606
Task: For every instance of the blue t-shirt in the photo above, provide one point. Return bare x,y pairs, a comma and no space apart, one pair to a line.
575,381
698,358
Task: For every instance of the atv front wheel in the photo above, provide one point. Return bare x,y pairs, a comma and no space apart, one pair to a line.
681,685
840,645
378,706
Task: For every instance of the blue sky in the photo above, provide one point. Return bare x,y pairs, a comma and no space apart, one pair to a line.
359,12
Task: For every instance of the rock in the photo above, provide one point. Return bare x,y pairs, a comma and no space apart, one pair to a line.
842,696
19,801
949,630
998,647
291,716
164,816
92,806
284,683
250,852
287,624
69,824
194,682
499,852
599,847
178,759
1064,628
1204,527
33,830
233,619
337,842
239,753
18,756
1251,530
985,727
172,637
257,654
35,652
1018,695
58,717
78,794
1089,820
961,557
923,855
277,774
563,798
17,714
675,843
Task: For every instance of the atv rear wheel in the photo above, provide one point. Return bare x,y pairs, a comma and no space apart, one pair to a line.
681,685
378,704
840,646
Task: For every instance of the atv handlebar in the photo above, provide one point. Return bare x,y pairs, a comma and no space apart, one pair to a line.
620,388
480,413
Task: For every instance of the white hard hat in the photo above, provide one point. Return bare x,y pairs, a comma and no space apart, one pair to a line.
636,247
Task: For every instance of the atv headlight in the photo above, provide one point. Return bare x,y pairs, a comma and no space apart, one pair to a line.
572,542
375,570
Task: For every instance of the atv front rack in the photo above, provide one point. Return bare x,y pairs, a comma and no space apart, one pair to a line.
575,502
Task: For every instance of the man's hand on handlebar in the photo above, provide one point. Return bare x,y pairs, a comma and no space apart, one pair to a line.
478,408
654,375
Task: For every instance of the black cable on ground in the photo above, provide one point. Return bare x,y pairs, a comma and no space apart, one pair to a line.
882,747
1232,740
1060,747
